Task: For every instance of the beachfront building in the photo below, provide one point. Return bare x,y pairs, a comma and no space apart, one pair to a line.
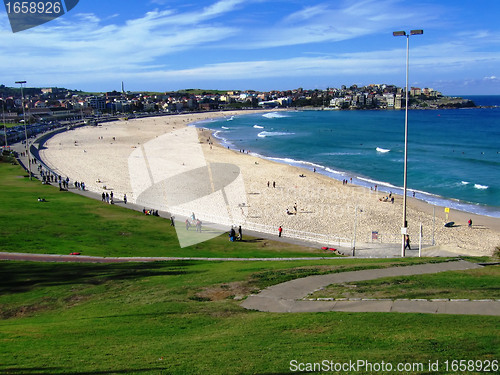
415,91
389,98
97,103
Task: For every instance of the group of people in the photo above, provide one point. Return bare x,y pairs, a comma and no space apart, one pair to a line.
109,197
232,234
150,212
78,185
388,198
269,184
288,212
190,221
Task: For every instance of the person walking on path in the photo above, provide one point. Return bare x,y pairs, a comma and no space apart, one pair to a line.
280,230
240,235
407,244
172,221
125,198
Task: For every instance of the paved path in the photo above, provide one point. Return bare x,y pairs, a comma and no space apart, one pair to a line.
289,296
95,259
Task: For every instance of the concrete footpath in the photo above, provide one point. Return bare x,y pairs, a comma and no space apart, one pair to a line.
291,296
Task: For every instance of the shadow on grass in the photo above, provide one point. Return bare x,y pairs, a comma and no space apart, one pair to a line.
253,240
23,277
60,370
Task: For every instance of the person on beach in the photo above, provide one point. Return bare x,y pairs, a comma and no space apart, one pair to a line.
470,223
280,230
274,184
407,243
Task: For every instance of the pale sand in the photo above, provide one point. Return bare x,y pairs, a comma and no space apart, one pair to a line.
325,206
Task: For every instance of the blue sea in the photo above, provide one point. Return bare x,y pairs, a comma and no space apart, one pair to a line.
453,154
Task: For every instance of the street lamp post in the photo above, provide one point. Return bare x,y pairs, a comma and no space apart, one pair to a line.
25,130
404,229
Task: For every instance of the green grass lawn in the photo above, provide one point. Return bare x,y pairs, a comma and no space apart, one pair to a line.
71,223
182,318
483,283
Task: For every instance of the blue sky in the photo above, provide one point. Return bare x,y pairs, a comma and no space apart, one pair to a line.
163,45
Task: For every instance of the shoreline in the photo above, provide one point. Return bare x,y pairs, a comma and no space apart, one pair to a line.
325,207
435,200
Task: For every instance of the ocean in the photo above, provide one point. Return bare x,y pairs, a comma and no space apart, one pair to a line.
453,154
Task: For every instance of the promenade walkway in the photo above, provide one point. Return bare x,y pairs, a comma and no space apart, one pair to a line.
291,296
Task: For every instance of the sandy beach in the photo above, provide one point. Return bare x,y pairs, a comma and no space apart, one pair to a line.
132,157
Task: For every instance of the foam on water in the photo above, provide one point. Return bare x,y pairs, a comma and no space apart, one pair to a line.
382,150
480,187
265,134
274,115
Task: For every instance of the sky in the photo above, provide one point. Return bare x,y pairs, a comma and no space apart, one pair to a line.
165,45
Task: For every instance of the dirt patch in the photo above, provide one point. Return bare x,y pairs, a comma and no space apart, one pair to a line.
235,290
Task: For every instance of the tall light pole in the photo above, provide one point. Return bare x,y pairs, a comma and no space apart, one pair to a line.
25,130
404,229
